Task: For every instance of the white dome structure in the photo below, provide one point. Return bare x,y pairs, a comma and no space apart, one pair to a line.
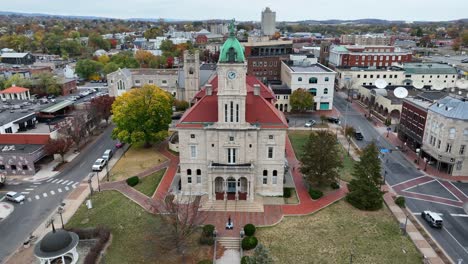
58,246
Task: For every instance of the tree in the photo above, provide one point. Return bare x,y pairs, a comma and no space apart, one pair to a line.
16,80
52,43
261,256
323,118
456,44
71,47
349,132
103,106
104,59
59,146
46,82
320,159
125,60
96,41
364,189
142,115
87,68
110,67
464,38
145,58
152,33
182,219
301,100
77,129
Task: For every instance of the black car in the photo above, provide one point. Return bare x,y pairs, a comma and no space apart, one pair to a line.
334,120
464,60
358,135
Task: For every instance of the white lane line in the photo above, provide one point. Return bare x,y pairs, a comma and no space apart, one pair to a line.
37,183
60,181
459,215
74,186
52,192
433,196
65,182
59,190
464,249
29,189
409,180
71,182
448,190
417,185
459,190
44,194
37,197
29,199
25,192
54,181
66,188
420,199
49,180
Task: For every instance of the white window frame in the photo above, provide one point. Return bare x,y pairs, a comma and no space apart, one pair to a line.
231,155
193,152
270,150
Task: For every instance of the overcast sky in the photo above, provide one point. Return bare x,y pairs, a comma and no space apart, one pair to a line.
292,10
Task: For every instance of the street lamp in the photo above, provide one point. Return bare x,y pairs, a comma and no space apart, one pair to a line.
107,170
60,212
384,177
418,152
425,165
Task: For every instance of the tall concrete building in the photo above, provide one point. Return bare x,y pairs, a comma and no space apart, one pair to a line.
268,22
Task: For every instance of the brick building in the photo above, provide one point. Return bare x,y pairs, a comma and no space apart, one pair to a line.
365,56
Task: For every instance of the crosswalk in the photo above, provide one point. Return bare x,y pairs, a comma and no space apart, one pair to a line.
61,186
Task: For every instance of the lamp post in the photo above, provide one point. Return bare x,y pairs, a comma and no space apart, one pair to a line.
60,212
384,177
418,152
425,165
107,170
98,183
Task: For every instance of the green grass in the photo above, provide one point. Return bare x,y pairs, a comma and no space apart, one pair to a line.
148,184
136,234
299,139
329,236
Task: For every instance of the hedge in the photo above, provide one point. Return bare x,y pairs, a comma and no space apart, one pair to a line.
287,192
400,201
315,194
208,230
132,181
245,260
103,235
205,261
249,242
249,229
335,185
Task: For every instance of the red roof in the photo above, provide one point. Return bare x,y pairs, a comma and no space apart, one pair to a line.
259,109
13,90
24,138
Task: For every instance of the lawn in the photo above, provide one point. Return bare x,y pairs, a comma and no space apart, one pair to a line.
148,184
135,233
299,139
134,161
330,235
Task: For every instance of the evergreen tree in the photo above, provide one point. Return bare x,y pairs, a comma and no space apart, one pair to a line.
364,189
261,256
320,160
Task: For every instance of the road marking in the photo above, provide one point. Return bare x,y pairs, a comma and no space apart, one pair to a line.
448,190
37,197
44,194
65,182
25,192
417,185
408,180
433,196
74,186
29,189
66,188
71,182
29,199
420,199
52,192
49,180
59,190
60,181
54,181
464,249
37,183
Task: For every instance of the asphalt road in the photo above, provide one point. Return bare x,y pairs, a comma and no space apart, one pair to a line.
453,237
44,197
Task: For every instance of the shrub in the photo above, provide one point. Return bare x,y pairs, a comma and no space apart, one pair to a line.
132,181
103,235
249,229
206,240
245,260
335,185
249,242
208,230
205,261
315,194
400,201
286,192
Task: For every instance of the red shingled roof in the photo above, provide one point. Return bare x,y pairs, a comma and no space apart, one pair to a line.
13,90
259,110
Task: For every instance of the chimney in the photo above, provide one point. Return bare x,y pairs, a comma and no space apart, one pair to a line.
209,89
256,88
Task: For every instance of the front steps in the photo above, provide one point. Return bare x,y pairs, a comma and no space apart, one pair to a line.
231,205
230,243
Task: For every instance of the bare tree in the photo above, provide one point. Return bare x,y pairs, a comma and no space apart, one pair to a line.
349,132
58,146
103,106
77,128
182,218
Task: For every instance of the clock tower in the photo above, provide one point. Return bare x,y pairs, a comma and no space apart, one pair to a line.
232,89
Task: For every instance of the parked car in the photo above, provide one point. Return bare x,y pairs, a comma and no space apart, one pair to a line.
119,144
334,120
107,154
464,60
99,164
432,219
309,123
51,96
15,197
358,135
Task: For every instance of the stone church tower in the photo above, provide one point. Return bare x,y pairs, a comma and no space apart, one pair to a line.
191,74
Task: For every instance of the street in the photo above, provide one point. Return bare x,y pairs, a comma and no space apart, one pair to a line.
421,192
43,198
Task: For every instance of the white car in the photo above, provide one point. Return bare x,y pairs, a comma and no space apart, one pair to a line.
15,197
99,164
309,123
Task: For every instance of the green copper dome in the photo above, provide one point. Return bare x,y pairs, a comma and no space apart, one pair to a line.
232,51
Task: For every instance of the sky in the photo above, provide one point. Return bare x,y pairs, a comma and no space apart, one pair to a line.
248,10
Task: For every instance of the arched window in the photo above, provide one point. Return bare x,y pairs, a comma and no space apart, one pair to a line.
198,172
198,176
274,179
312,80
189,172
265,177
327,79
313,91
191,70
275,173
325,91
265,173
299,79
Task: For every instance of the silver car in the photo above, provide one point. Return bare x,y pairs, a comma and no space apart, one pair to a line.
15,197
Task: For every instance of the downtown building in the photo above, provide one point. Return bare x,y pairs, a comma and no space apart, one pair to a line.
367,56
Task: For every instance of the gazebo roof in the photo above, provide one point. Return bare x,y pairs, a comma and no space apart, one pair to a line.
14,89
56,244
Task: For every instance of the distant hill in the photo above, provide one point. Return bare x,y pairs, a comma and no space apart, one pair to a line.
330,21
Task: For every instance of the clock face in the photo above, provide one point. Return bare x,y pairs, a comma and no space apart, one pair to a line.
231,75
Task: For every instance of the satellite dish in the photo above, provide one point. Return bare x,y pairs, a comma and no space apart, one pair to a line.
438,86
462,84
400,92
418,85
381,83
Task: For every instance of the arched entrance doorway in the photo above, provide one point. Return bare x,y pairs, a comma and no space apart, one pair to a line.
231,188
243,188
219,188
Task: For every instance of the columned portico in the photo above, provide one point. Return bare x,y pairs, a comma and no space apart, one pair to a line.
231,188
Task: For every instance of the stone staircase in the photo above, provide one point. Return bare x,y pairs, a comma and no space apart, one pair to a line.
229,242
231,205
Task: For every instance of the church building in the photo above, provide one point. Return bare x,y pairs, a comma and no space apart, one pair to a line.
232,140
